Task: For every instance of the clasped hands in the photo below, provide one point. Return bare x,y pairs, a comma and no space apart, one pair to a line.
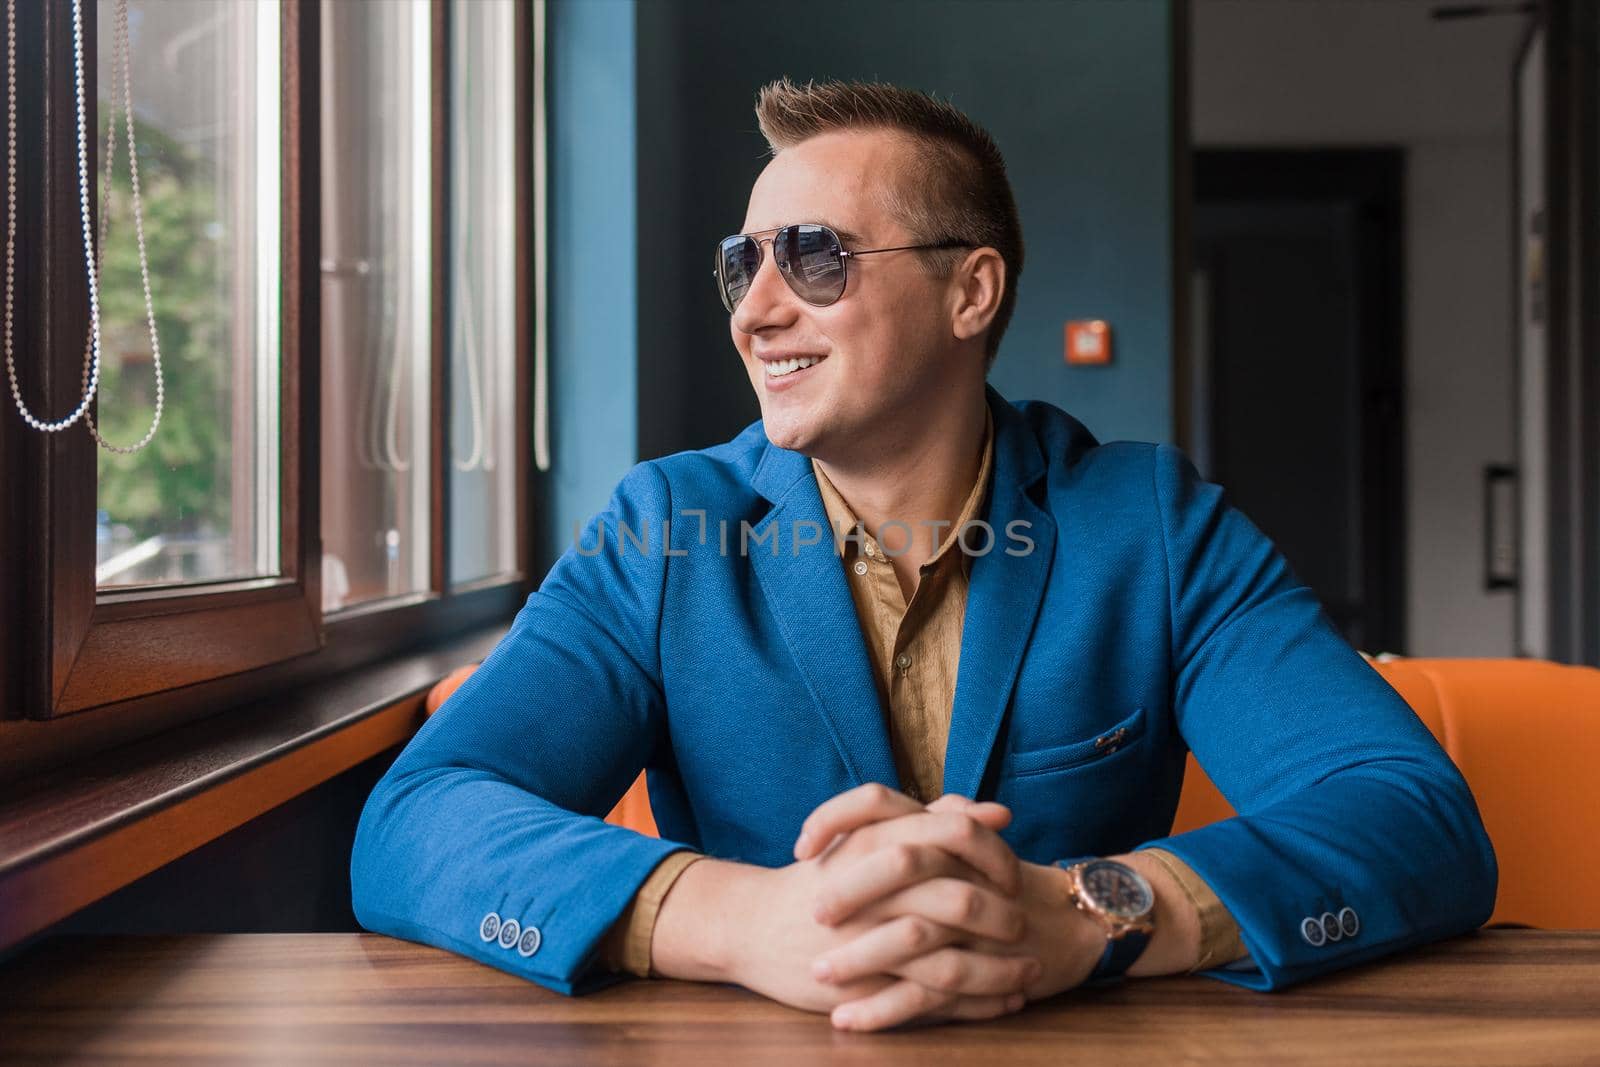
895,912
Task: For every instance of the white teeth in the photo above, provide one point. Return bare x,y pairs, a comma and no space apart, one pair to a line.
779,367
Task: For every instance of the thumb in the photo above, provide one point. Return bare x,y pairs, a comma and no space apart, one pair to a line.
992,815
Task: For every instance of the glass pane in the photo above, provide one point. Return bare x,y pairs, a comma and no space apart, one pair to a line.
200,502
375,311
483,340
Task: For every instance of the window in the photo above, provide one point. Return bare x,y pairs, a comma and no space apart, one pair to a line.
483,251
377,196
200,503
336,208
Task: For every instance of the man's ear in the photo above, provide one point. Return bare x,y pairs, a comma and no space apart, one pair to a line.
978,284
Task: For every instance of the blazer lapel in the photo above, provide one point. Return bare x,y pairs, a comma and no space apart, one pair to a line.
1003,599
807,595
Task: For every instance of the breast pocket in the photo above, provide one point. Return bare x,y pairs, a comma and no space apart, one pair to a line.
1080,798
1041,761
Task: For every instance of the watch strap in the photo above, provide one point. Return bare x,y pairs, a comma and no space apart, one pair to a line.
1119,954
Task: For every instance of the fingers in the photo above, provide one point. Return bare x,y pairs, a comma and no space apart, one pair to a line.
966,973
871,803
959,904
952,802
906,1001
885,945
994,816
924,951
957,802
858,882
914,850
985,1007
865,804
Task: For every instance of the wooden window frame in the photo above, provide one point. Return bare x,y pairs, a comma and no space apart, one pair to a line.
154,656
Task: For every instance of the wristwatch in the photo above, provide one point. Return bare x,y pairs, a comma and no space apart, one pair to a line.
1122,902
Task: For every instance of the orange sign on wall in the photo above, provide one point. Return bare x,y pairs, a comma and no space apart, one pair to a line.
1088,341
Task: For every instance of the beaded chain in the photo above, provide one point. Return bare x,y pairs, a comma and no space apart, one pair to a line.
94,252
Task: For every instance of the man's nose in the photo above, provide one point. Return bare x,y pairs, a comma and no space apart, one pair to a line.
768,302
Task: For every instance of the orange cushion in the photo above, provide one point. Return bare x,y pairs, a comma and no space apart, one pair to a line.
1525,734
447,685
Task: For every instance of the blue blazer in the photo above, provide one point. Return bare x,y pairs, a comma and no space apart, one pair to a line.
701,629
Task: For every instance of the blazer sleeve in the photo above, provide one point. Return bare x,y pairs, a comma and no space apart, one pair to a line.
1350,815
487,836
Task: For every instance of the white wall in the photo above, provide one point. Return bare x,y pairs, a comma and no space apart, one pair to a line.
1459,389
1349,72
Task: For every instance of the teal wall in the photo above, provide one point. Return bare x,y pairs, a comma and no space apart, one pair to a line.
593,297
661,149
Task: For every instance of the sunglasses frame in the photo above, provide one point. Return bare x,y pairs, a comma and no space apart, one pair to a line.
845,255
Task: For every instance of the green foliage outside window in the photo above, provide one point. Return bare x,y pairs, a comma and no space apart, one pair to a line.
179,484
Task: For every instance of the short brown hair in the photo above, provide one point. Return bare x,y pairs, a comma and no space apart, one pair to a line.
962,192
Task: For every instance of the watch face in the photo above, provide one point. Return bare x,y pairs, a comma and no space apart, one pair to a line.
1118,889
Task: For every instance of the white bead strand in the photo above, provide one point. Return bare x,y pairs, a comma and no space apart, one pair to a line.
122,61
93,252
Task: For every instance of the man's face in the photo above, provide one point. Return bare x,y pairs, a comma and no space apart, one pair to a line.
887,344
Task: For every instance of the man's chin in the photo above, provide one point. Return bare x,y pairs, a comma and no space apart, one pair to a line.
789,429
789,438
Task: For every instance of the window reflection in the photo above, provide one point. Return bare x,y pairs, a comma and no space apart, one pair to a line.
375,299
483,276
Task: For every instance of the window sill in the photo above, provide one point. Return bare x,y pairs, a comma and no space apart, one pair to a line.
72,836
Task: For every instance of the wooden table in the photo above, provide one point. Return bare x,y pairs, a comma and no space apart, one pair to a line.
1495,996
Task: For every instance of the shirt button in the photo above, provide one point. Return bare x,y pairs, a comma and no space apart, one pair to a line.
903,661
860,567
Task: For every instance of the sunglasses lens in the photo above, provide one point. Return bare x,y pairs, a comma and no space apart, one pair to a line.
738,259
809,256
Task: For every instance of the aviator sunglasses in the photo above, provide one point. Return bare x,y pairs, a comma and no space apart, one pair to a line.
808,255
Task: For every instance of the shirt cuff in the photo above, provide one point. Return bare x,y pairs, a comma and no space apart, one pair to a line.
626,946
1220,940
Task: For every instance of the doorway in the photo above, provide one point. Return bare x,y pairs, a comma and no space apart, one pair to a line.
1401,111
1297,363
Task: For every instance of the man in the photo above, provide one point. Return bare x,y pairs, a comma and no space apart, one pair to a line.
914,671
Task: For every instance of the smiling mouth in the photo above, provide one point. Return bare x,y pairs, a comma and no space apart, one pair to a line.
779,368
